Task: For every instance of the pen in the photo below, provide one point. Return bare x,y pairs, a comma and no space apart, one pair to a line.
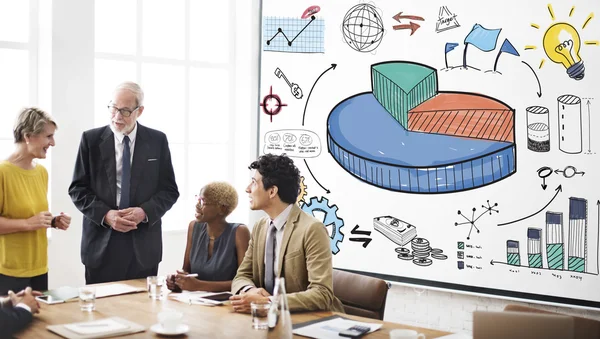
193,275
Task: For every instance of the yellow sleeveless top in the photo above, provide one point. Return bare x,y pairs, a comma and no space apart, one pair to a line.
23,194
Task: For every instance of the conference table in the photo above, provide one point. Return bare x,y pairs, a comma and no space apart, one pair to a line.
204,321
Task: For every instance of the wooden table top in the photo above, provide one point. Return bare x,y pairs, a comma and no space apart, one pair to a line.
204,321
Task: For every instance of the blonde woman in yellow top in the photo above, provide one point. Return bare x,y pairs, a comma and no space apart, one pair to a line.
24,215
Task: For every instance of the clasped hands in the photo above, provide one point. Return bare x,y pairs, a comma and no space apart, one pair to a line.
181,281
26,296
125,220
241,302
44,220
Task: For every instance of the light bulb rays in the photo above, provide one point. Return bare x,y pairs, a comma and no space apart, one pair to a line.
561,43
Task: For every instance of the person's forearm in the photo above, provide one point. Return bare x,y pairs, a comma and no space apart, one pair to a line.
8,226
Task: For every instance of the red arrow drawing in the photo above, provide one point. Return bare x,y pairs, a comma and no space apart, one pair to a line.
413,27
399,16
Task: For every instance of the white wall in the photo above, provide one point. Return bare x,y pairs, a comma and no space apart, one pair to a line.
72,105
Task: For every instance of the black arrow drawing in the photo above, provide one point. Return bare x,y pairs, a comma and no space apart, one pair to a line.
539,93
558,190
544,186
333,66
311,174
355,230
589,129
365,241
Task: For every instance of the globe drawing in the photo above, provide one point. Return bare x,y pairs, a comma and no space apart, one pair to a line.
363,27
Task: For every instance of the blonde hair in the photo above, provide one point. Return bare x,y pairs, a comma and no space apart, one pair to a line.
222,194
31,121
133,88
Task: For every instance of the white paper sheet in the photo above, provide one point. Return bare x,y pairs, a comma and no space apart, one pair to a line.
330,328
108,325
195,298
457,336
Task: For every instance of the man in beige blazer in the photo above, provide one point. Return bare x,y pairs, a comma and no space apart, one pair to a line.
300,250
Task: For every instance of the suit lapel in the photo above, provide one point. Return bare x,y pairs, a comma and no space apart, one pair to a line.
288,229
107,152
140,154
261,243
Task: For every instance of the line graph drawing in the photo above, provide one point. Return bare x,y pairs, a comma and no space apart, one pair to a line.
293,35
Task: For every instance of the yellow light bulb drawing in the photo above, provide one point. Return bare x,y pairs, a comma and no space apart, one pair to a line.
561,44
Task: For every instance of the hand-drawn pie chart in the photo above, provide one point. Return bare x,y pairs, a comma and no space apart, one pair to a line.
407,136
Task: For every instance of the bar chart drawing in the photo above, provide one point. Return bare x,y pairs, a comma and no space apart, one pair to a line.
555,246
578,235
512,253
534,247
575,245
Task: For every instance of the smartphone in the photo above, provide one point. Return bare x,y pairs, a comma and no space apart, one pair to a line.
355,331
222,296
47,299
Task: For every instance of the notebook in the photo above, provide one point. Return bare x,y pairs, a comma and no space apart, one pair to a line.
521,325
103,328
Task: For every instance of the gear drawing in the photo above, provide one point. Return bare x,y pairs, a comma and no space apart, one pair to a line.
302,193
331,218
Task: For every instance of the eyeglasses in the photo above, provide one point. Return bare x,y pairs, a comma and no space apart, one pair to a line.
124,111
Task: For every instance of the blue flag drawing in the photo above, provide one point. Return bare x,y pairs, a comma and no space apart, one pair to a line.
507,47
450,46
483,38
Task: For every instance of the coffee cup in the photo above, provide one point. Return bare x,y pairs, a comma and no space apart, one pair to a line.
170,320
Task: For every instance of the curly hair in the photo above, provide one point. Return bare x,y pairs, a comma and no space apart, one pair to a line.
31,121
280,171
222,194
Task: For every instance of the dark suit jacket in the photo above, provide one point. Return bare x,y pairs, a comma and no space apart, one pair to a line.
13,319
304,262
94,191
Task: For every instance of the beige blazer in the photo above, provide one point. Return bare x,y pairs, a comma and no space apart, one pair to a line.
304,262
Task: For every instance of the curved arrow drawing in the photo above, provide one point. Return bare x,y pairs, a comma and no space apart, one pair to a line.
317,181
333,66
539,93
558,190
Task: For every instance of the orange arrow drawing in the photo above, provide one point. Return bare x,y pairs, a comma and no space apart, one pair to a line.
413,27
399,16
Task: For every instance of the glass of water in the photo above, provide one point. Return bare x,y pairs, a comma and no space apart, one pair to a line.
154,284
87,298
260,312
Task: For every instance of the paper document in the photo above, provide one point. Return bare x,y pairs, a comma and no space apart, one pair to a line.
195,298
116,289
330,327
457,336
97,327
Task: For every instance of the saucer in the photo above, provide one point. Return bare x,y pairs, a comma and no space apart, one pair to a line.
181,329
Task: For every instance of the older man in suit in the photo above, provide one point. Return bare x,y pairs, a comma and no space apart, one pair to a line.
288,243
123,183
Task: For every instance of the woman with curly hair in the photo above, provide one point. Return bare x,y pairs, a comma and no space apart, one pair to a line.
215,248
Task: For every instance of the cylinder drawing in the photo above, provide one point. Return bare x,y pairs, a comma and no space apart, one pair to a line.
512,253
538,128
569,124
534,247
555,244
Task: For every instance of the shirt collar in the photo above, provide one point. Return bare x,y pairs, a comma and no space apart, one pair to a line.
280,220
120,135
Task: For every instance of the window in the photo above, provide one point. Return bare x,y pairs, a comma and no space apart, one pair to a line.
21,65
182,54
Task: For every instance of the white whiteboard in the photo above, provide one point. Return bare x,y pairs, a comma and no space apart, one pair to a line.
446,148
